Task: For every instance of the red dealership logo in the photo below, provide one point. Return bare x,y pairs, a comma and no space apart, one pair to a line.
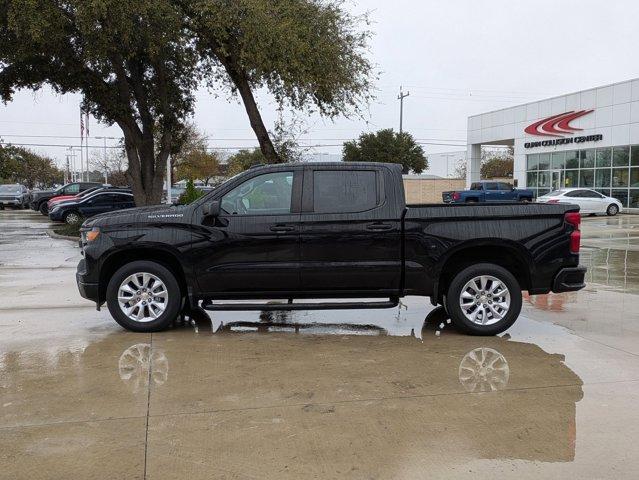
557,125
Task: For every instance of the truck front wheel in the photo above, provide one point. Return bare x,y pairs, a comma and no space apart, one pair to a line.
144,296
484,299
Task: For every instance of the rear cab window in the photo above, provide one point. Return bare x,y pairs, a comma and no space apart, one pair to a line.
345,191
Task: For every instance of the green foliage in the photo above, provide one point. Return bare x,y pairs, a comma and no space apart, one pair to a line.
19,165
194,161
497,167
69,230
190,194
137,63
308,53
245,159
389,147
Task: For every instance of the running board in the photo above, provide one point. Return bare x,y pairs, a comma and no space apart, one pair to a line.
390,303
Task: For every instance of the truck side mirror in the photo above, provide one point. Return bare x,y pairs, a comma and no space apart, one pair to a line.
212,209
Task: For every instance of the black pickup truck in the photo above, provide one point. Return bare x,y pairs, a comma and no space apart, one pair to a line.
326,231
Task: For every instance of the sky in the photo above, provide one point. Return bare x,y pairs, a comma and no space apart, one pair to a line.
456,58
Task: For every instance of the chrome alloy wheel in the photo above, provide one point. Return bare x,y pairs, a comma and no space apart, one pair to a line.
72,218
485,300
142,297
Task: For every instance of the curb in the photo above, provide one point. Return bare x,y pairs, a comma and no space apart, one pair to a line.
52,234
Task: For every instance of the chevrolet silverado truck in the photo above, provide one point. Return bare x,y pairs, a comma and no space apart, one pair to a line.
487,191
339,231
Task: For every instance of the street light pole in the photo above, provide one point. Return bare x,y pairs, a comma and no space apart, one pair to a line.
401,98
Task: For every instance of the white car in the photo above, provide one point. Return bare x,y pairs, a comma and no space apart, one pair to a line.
588,200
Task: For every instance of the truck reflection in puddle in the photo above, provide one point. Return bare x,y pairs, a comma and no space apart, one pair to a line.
140,363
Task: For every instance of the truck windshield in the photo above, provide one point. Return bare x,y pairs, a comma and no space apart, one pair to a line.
9,188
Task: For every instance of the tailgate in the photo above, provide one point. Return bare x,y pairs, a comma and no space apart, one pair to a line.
447,197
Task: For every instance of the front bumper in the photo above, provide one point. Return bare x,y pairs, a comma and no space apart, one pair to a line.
55,216
10,202
569,279
88,290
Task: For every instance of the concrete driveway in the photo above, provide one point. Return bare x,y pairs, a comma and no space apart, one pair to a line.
361,395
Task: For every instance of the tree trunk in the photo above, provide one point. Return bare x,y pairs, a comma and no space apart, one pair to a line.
145,173
257,124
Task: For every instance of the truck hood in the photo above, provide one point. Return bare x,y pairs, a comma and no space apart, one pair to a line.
142,215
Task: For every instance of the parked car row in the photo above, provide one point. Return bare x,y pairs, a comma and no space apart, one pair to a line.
589,201
91,202
40,199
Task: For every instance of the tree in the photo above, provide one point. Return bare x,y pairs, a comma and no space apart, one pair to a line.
387,146
20,165
245,159
497,167
113,165
194,160
497,163
132,62
494,164
138,63
309,54
199,164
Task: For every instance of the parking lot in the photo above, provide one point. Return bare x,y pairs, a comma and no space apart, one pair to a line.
345,394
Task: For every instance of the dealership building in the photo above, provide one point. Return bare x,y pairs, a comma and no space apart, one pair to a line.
585,139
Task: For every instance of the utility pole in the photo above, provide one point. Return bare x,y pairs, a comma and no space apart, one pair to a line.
68,172
106,178
401,98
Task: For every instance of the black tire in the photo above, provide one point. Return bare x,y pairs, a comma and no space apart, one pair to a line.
174,301
526,200
612,210
68,217
472,200
455,290
43,208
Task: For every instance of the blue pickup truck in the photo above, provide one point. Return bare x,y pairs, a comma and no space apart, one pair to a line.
489,192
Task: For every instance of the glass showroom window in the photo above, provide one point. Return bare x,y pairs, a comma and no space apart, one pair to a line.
587,158
603,157
612,171
572,159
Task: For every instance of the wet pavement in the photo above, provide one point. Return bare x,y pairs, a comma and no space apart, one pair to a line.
344,394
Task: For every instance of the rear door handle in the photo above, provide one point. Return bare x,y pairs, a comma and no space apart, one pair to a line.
282,228
379,227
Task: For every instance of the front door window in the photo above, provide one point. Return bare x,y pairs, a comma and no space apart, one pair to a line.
268,194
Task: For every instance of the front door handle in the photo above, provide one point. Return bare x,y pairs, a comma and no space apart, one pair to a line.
282,228
379,227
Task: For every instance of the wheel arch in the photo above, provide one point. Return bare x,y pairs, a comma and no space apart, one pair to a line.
508,255
162,256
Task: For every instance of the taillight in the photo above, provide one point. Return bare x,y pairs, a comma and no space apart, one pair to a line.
574,219
456,195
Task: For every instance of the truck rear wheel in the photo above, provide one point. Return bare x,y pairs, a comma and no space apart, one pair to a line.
484,299
144,296
44,208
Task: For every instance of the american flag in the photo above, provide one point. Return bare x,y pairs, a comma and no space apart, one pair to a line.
82,124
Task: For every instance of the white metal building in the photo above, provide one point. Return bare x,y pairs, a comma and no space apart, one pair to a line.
583,139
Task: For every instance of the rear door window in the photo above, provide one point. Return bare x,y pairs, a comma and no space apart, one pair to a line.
505,186
339,191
